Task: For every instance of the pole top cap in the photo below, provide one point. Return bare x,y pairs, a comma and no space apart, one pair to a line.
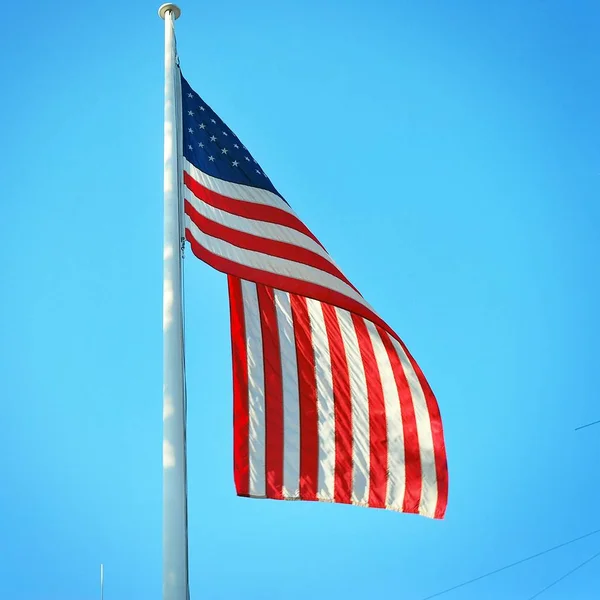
162,11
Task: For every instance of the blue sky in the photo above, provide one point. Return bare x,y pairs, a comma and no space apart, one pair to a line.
447,156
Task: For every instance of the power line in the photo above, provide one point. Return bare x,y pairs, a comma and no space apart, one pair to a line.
588,425
455,587
585,562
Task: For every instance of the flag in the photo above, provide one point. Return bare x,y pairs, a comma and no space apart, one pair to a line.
329,405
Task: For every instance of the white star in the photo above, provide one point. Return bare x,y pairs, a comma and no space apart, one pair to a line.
254,160
235,146
202,126
200,144
258,171
247,158
190,130
190,147
224,133
224,151
190,95
213,138
213,120
211,158
191,113
235,163
201,107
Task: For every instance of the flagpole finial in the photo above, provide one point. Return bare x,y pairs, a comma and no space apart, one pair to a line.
162,11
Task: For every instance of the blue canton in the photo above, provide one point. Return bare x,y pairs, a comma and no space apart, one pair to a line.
213,148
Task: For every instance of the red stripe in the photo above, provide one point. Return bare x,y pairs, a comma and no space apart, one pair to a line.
273,393
377,419
243,208
342,406
240,388
412,453
286,284
256,243
307,392
437,432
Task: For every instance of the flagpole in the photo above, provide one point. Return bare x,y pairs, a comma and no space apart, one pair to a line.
175,547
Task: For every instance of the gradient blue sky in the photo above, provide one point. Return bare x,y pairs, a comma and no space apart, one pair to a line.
447,155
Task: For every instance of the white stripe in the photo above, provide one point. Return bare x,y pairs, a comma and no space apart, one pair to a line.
270,231
237,191
429,492
393,416
361,450
256,390
291,402
272,264
325,402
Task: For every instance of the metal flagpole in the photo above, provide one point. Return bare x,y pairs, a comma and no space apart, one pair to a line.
175,549
101,581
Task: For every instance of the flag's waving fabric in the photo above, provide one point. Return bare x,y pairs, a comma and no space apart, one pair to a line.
328,403
329,406
238,223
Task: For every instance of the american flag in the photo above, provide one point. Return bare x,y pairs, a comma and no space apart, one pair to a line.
329,405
